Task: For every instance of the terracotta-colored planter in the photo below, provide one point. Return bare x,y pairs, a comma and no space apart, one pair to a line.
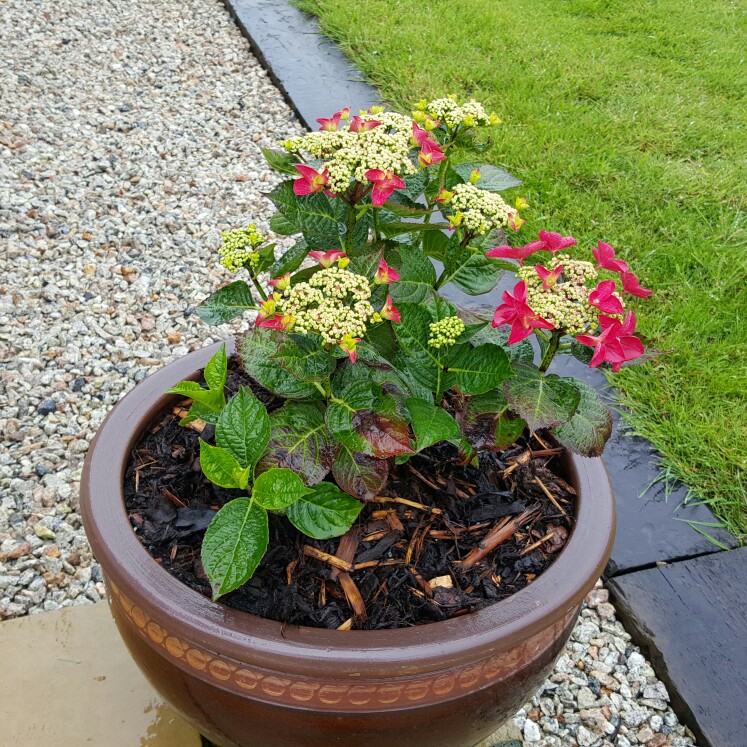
244,681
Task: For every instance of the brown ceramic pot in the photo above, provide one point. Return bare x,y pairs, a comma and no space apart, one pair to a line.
244,681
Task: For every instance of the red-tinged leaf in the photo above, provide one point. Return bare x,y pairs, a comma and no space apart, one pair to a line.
360,475
387,435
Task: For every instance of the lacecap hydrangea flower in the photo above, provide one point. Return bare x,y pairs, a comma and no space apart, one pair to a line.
238,248
448,111
478,210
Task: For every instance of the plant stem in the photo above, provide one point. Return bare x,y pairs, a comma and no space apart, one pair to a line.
259,288
552,348
350,229
375,212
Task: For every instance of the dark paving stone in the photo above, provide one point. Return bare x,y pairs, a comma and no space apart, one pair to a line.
691,618
311,71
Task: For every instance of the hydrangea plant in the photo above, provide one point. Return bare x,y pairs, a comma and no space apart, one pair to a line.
371,362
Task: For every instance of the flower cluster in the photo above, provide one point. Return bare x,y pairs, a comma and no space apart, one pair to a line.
334,304
561,296
447,110
478,210
238,248
445,332
371,141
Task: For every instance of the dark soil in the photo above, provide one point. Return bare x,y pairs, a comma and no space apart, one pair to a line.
403,562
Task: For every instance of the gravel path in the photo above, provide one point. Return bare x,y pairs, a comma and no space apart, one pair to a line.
129,136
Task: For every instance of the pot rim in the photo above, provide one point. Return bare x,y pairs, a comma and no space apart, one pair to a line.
304,650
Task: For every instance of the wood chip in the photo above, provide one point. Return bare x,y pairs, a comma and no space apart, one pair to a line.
347,625
325,557
353,595
443,582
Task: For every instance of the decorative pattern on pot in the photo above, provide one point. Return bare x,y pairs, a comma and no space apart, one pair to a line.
268,686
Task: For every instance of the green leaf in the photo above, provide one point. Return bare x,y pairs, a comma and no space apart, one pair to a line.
412,265
234,545
435,244
316,215
492,179
216,369
243,427
519,352
299,441
416,184
211,399
200,412
280,225
358,395
325,512
489,424
430,424
256,349
583,353
278,488
399,228
266,258
544,401
226,303
360,475
222,468
416,356
587,431
280,160
303,357
291,260
477,370
470,270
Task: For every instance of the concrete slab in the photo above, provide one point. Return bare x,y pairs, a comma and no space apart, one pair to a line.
68,681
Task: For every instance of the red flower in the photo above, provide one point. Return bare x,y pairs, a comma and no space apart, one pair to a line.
603,298
358,125
615,344
390,311
282,282
282,322
310,181
348,344
632,285
327,259
385,274
605,257
430,153
554,242
515,252
548,278
384,183
514,311
332,124
419,135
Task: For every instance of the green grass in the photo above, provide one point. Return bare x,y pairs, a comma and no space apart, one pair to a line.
626,121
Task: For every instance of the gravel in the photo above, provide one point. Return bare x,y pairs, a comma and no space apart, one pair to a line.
129,136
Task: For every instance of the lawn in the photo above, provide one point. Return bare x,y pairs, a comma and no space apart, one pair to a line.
627,123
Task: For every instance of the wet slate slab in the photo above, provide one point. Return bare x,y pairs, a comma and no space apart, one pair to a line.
314,76
691,617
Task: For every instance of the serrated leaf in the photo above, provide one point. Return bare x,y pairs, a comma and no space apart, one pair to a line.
291,260
519,352
492,179
226,303
359,474
220,467
303,357
430,424
234,544
357,395
400,228
479,369
435,244
488,423
216,369
324,512
211,399
411,264
543,400
415,356
256,349
200,412
386,434
278,488
300,441
587,431
243,427
280,225
470,270
416,184
280,160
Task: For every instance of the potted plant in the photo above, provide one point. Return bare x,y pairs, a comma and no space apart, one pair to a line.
374,516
